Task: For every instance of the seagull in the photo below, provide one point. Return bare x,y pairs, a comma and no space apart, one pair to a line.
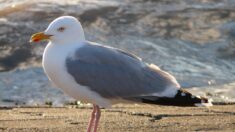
103,75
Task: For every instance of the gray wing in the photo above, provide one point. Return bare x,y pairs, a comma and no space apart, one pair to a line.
113,73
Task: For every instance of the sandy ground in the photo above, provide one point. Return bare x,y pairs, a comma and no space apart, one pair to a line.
121,118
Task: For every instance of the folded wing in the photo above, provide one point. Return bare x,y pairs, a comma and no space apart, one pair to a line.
113,73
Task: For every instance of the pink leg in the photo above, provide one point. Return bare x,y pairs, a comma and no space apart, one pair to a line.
91,122
97,118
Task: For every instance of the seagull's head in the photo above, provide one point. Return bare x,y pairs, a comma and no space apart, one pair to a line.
62,30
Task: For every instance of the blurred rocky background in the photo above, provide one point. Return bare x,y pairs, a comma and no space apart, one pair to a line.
191,39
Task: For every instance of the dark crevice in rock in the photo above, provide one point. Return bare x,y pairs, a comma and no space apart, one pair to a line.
11,61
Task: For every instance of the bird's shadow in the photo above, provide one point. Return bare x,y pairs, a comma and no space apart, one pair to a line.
154,117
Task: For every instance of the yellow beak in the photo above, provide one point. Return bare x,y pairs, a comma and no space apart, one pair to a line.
39,37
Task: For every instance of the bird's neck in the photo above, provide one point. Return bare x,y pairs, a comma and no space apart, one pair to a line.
66,45
69,41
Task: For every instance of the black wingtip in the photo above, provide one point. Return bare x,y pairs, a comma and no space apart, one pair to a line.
182,98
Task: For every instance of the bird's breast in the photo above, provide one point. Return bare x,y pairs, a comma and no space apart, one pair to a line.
54,63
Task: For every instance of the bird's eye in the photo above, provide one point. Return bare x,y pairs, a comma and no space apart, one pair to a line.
61,29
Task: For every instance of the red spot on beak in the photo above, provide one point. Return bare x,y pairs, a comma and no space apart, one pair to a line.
36,40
